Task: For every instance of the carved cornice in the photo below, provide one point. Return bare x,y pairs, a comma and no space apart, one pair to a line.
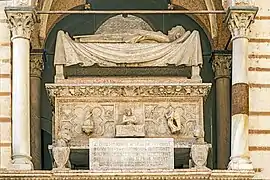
55,90
239,20
36,65
22,2
84,174
227,3
222,65
21,21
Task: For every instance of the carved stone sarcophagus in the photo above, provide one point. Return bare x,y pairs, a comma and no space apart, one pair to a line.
129,106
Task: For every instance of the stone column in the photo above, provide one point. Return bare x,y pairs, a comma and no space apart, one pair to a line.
21,21
222,68
239,20
36,67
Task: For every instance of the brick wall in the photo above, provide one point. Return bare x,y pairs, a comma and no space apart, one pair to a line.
5,88
259,79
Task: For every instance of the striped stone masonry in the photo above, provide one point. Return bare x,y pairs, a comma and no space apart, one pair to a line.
259,87
5,88
239,19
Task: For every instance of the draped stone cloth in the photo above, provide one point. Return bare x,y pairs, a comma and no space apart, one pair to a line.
185,50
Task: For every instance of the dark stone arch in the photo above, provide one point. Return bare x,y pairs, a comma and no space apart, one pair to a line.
88,23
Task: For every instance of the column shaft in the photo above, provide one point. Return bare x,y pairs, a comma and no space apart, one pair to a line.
20,97
35,79
223,124
239,60
21,21
222,69
239,20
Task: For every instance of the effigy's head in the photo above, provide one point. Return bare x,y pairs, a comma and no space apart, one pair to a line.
176,32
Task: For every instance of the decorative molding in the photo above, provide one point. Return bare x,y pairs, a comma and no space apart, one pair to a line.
228,3
222,65
86,174
239,20
36,65
22,2
243,2
70,90
21,21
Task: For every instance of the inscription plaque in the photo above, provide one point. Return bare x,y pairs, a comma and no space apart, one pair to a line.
131,154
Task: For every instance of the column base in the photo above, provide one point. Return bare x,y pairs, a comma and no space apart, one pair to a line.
21,162
240,164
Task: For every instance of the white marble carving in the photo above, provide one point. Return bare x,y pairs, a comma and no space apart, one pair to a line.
108,154
60,152
88,124
129,126
199,154
22,2
137,49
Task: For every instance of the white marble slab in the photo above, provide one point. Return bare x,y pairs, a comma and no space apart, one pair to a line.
107,154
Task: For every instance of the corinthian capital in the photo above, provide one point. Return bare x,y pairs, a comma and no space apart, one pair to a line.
21,21
221,65
239,20
36,65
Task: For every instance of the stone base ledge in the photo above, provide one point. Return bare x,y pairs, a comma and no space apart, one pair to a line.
149,175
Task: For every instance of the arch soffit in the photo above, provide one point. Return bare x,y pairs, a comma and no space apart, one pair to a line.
213,23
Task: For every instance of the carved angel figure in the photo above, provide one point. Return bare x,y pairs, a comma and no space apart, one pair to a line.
128,118
174,120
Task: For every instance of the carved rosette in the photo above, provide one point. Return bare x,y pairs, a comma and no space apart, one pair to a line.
21,22
239,21
222,65
36,65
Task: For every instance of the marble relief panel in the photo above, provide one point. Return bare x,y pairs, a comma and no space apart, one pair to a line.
72,117
171,119
77,121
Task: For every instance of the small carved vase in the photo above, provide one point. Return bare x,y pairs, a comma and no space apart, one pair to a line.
61,156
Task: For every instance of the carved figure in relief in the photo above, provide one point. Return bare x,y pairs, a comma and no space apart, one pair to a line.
138,36
61,150
143,36
199,134
64,135
174,120
138,48
88,124
128,118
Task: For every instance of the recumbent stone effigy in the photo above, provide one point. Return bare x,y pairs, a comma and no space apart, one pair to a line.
129,123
